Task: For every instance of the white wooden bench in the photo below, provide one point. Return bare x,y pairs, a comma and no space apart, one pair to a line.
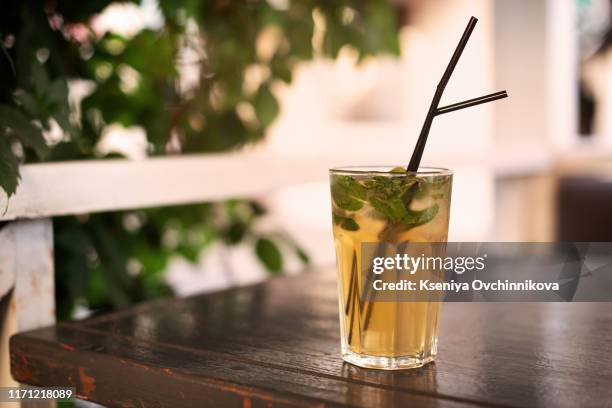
56,189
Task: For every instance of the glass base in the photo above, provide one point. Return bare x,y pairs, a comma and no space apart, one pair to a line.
386,363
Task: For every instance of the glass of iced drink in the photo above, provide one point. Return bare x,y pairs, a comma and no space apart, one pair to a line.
386,204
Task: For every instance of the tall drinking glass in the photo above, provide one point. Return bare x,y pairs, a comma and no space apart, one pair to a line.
386,204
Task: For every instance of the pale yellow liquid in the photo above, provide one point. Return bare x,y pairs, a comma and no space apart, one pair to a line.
394,329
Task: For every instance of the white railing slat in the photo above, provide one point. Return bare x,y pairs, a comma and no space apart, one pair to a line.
54,189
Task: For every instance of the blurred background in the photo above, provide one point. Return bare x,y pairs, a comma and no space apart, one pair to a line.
303,81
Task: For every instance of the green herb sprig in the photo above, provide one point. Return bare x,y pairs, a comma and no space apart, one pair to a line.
390,197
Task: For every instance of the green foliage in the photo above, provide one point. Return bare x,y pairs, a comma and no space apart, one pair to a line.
8,166
348,193
345,222
127,252
236,52
19,126
269,254
24,121
390,197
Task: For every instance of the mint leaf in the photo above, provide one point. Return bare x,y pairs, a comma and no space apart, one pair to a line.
347,193
438,181
431,185
349,224
391,207
424,216
391,198
388,196
346,223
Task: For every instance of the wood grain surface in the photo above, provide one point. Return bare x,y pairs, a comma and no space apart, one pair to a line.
277,344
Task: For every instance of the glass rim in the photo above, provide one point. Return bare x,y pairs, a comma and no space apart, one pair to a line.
378,169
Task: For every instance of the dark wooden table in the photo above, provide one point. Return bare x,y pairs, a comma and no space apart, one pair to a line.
276,344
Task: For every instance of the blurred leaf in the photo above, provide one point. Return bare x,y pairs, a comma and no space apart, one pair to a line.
281,69
190,253
97,292
72,246
235,232
9,167
302,255
25,131
28,102
39,78
63,122
266,106
7,56
269,255
58,92
257,208
150,53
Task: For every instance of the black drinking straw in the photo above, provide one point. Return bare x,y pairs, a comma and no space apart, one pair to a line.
472,102
415,160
